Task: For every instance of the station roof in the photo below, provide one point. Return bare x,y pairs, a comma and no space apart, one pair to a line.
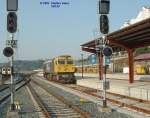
141,57
134,36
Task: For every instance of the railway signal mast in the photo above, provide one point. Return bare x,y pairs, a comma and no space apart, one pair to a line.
104,7
12,7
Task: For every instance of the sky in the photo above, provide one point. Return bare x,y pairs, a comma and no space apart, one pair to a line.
45,32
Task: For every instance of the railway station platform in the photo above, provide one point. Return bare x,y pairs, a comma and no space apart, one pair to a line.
119,85
117,76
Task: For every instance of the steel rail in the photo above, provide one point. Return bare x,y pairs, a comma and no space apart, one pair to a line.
69,104
39,102
122,104
115,94
7,96
6,87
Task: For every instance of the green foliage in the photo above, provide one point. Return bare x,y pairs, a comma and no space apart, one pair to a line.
142,50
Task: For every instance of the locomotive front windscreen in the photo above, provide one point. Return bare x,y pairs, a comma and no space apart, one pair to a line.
61,62
70,62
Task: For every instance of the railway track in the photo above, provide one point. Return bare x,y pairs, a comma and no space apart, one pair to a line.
127,102
54,106
5,92
90,100
3,87
135,104
6,86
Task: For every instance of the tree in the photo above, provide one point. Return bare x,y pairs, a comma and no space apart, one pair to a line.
142,50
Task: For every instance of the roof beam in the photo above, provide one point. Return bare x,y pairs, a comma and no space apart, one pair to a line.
89,50
131,29
140,43
135,35
118,43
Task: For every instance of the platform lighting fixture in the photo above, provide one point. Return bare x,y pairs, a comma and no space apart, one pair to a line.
104,6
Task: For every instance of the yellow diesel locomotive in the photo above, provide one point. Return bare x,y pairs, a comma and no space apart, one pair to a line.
60,69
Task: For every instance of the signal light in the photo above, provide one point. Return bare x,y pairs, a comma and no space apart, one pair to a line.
12,22
104,6
104,24
8,51
12,5
107,51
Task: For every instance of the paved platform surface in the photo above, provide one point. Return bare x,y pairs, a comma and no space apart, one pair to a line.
117,76
138,89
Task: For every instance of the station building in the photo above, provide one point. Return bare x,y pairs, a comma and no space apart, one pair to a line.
135,34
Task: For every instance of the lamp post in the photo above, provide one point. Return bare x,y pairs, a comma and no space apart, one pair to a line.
82,63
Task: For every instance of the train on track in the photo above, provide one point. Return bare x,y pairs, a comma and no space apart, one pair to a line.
60,69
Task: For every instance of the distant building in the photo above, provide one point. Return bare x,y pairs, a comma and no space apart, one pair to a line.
143,14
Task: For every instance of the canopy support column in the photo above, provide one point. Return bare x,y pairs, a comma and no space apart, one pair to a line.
131,65
100,65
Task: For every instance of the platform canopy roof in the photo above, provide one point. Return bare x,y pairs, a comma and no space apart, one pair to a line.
142,57
134,36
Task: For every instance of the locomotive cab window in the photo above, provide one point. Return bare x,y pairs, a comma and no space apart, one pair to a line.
61,62
69,62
